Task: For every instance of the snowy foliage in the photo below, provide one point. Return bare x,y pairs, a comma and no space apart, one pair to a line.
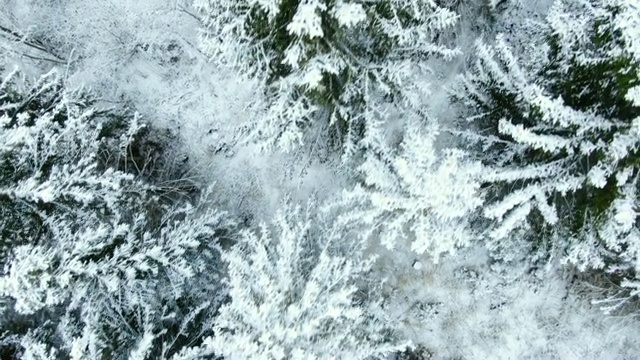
99,248
344,62
418,195
562,137
490,245
294,295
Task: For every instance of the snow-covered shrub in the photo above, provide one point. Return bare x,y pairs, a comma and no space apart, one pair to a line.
562,136
296,293
96,262
349,63
417,195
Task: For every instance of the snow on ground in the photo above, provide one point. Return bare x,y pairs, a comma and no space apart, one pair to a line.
465,307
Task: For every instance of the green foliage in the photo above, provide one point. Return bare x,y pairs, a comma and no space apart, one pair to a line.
598,86
562,137
342,62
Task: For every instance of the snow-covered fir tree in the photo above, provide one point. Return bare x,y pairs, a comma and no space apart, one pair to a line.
561,136
347,63
96,262
298,291
418,196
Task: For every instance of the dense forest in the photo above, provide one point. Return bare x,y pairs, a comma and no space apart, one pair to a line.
319,179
